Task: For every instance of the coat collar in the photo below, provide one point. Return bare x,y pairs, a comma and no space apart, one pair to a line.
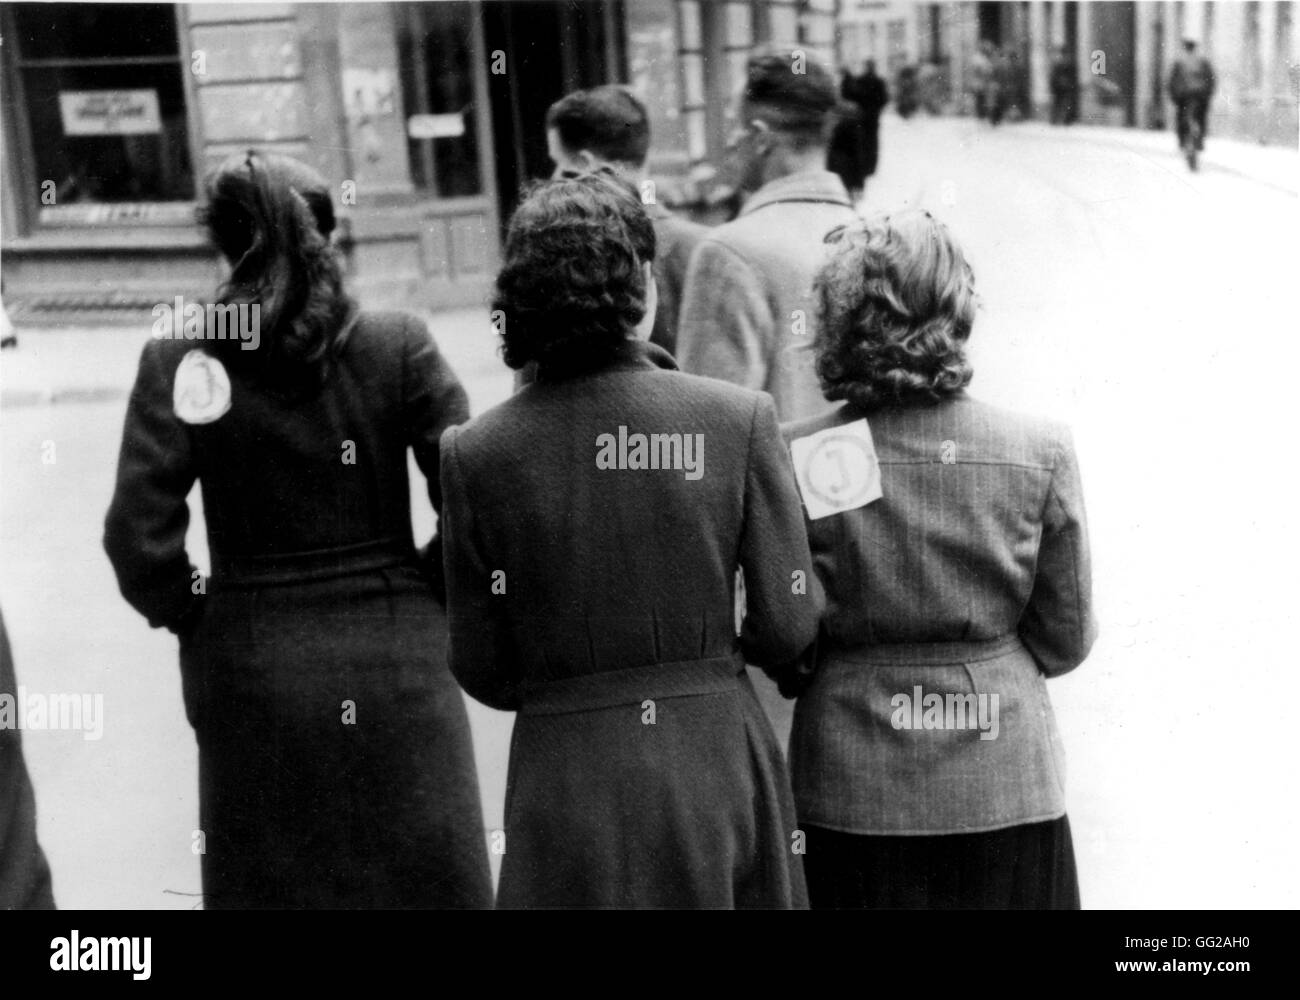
642,354
630,355
807,185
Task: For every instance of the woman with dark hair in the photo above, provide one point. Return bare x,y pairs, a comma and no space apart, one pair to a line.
951,540
335,766
592,550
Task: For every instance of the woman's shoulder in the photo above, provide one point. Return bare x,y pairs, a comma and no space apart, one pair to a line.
993,433
390,328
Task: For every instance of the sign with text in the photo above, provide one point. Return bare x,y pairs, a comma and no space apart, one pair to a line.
450,126
110,112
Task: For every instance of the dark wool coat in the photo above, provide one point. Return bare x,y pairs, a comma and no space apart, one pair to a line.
675,241
24,875
967,580
335,765
599,604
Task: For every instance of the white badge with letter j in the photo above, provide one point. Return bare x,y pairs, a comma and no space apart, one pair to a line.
201,391
837,469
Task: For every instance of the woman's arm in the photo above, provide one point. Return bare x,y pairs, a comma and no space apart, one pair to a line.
1057,626
144,532
784,598
432,400
481,650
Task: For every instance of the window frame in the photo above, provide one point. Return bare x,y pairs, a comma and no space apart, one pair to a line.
35,219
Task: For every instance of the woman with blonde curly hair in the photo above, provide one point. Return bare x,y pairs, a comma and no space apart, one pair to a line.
951,541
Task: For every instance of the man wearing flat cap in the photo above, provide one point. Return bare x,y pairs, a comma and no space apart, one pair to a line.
746,314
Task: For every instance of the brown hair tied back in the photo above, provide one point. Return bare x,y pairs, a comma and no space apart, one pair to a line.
271,217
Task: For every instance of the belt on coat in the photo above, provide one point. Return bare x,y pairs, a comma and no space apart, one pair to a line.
606,689
921,654
316,564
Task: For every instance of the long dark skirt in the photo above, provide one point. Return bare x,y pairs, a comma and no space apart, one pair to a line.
335,765
1027,867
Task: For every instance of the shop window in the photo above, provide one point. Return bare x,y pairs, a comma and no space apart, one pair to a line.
103,93
436,48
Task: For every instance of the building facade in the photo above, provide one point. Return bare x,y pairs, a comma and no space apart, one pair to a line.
427,118
1123,52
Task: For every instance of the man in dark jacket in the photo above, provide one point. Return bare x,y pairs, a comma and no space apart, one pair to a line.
24,875
609,126
1191,85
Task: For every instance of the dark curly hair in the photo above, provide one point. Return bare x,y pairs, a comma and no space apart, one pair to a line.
271,217
572,288
895,305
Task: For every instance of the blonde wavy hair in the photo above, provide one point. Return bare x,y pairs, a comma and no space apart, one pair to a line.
895,305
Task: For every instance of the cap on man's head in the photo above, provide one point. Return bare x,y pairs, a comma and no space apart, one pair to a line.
794,89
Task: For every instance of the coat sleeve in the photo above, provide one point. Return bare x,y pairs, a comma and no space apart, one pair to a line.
144,532
1057,626
24,872
784,598
432,400
481,650
726,324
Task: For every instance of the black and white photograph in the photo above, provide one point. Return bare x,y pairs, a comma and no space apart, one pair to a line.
650,455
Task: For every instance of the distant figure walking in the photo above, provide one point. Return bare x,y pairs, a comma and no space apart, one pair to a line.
980,76
1001,88
909,91
855,143
1191,86
1064,82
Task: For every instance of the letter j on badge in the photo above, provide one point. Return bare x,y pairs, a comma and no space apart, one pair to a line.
837,469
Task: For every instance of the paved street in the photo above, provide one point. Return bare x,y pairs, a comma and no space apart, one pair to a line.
1151,308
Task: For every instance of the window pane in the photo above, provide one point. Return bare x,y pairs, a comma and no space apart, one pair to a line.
110,133
692,80
438,86
785,24
86,30
696,144
739,29
736,77
690,34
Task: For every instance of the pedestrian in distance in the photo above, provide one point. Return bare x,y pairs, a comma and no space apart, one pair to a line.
1191,87
908,89
951,540
1064,83
594,523
854,152
335,764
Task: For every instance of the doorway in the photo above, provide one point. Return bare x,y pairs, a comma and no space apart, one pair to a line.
538,51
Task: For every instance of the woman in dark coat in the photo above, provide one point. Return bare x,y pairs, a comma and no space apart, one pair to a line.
594,524
335,766
952,542
24,873
854,151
